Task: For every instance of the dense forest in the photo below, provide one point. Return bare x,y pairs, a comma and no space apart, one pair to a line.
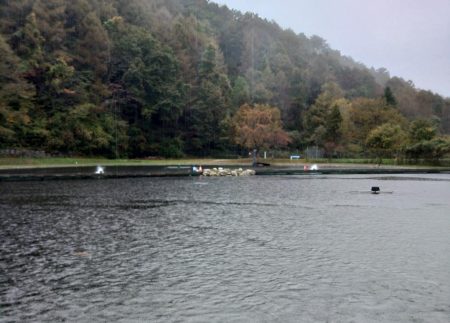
170,78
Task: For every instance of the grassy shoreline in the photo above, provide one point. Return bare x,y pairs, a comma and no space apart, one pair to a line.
18,162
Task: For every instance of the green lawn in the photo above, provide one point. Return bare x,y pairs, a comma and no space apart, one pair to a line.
9,162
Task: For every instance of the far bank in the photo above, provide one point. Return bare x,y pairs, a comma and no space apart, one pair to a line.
87,168
56,162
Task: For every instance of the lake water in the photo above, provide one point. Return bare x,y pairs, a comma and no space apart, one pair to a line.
256,249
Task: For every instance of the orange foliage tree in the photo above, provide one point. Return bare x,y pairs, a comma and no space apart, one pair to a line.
259,127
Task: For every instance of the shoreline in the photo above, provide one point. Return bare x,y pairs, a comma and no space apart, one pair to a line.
10,163
82,172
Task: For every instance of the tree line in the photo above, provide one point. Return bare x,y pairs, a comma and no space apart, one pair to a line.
141,78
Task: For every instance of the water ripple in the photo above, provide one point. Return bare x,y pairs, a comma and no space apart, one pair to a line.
233,250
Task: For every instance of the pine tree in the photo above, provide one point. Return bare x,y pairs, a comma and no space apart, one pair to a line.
389,97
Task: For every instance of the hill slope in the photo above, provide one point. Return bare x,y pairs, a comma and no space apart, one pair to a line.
154,77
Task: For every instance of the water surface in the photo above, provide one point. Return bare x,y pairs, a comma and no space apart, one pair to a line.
273,249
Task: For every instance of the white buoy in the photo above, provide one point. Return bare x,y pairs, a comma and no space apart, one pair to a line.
100,170
314,167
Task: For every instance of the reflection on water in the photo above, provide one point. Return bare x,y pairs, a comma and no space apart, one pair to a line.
280,249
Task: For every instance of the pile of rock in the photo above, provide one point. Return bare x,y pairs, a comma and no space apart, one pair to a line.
228,172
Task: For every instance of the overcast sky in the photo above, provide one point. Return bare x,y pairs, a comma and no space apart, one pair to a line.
411,38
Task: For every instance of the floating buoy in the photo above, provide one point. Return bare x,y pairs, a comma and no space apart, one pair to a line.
100,170
375,189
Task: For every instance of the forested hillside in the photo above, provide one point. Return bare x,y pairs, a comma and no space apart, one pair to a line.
169,78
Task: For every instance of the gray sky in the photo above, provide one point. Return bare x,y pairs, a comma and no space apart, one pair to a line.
411,38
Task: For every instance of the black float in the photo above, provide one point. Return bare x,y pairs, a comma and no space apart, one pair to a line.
375,190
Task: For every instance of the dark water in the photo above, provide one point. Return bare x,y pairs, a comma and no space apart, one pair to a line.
259,249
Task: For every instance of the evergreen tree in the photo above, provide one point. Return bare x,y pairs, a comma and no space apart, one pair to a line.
211,105
389,97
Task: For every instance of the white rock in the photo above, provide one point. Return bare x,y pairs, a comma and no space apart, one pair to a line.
228,172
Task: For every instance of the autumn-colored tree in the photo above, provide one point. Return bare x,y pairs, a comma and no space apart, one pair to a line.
28,42
259,127
386,140
333,132
88,43
50,20
424,142
88,129
322,122
15,100
432,150
367,114
422,129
